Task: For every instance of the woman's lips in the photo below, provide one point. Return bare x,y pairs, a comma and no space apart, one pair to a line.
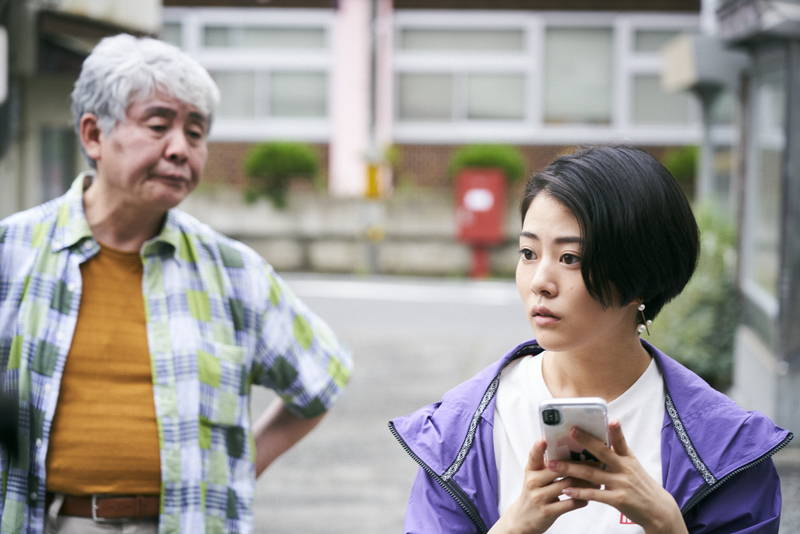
542,316
545,320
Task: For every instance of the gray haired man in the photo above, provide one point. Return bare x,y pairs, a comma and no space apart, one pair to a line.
131,333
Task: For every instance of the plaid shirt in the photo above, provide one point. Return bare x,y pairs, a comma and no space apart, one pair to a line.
218,320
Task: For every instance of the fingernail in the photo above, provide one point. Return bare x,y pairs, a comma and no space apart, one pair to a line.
569,492
553,465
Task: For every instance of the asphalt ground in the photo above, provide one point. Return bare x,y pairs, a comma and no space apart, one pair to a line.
412,340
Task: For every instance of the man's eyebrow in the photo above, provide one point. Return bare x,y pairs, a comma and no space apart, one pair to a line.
163,111
196,116
566,240
159,111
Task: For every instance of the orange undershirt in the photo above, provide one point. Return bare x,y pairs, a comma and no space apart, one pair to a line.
104,437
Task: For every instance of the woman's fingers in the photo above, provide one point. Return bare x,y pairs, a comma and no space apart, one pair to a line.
536,456
552,491
617,438
595,446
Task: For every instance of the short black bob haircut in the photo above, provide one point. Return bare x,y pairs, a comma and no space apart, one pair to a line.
640,237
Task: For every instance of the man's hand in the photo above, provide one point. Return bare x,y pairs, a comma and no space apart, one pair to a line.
276,431
628,487
538,505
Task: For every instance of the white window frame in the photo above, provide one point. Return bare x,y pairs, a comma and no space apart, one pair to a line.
260,61
530,62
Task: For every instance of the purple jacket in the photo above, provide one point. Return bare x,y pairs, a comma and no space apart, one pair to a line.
716,457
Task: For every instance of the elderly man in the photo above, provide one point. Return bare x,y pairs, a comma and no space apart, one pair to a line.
131,333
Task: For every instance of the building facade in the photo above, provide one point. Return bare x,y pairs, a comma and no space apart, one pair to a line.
539,75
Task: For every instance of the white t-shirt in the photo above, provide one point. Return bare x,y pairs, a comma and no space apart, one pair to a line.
640,410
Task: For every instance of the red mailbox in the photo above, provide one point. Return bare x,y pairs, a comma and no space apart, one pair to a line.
480,210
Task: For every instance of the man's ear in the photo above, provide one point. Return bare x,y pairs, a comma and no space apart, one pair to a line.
89,130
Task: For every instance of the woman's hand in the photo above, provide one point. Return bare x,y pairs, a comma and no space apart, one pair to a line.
628,488
538,504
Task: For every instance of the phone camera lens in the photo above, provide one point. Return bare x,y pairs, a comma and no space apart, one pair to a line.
551,416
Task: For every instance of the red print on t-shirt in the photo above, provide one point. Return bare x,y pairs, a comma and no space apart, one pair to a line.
624,520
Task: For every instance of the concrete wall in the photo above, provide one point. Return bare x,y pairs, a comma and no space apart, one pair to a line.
414,230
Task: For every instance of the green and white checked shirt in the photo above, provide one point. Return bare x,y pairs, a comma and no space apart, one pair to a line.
218,320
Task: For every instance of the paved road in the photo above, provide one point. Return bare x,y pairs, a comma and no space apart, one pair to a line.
413,339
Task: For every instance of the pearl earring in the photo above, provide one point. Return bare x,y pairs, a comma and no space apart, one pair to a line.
644,326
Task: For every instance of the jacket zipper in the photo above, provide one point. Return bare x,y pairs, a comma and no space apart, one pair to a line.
450,487
703,492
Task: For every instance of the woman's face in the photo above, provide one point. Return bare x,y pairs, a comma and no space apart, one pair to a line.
563,315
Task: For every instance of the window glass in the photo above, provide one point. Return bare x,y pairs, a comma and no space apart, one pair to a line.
652,105
723,108
298,38
462,40
237,94
496,96
218,36
652,40
172,33
764,180
264,37
578,75
424,96
298,94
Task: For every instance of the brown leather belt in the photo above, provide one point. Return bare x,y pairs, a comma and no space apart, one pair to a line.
110,507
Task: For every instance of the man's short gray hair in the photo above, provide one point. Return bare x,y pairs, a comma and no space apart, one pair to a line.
124,68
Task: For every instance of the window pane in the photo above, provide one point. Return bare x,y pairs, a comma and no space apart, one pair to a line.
298,94
425,96
237,94
652,105
496,96
462,40
218,36
172,33
265,37
722,109
653,40
578,75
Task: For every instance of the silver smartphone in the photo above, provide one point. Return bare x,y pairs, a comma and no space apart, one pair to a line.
558,416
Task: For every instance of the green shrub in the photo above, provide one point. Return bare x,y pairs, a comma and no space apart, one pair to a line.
504,157
698,327
270,167
682,163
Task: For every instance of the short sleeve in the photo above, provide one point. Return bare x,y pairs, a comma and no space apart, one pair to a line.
296,353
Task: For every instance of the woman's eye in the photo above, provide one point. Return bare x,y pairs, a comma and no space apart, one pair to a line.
527,254
158,127
570,259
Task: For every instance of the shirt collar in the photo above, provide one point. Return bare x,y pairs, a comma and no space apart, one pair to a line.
72,227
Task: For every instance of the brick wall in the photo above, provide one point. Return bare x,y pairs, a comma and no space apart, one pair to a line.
416,165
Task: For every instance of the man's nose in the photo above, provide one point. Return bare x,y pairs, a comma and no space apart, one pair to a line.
177,149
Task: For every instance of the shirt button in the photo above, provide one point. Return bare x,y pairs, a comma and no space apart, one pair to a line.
33,495
72,287
38,443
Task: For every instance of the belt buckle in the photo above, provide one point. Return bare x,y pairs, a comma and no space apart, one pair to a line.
101,519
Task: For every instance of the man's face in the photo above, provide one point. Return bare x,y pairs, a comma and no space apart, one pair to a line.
154,157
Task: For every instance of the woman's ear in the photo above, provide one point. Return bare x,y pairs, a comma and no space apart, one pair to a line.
90,133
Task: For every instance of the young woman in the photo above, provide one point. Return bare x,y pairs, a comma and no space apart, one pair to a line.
607,239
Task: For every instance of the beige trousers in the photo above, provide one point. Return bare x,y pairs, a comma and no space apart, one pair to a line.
63,524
